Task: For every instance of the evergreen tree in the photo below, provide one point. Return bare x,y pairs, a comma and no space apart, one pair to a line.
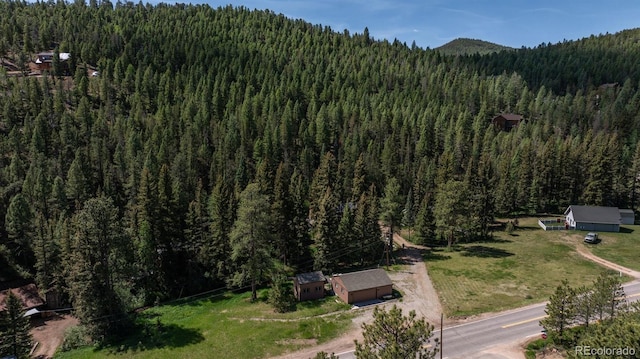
195,233
608,296
19,226
281,208
425,221
251,239
560,311
346,235
617,334
450,211
408,214
98,270
78,185
215,253
391,206
324,229
15,338
281,294
585,305
394,336
299,222
46,253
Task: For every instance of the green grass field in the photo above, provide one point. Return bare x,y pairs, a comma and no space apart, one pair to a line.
229,325
621,248
511,271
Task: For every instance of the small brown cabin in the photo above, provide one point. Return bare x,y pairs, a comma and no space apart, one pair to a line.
362,286
309,286
507,121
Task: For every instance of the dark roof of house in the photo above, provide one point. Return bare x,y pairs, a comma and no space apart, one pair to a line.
626,211
310,277
365,279
510,117
595,214
28,295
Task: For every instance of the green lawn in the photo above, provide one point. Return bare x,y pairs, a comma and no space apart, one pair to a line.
621,248
513,270
228,325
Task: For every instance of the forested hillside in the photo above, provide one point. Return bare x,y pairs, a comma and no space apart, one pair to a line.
141,184
470,47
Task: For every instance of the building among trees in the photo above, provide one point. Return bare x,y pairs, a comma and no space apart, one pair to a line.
362,286
309,286
45,60
507,121
26,293
597,218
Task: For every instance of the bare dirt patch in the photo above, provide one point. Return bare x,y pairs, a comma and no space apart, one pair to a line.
49,333
297,341
502,351
414,283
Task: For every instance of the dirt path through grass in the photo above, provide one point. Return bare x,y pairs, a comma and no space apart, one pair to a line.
592,257
415,284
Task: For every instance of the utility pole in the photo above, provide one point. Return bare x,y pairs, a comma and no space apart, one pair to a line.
387,250
441,321
389,246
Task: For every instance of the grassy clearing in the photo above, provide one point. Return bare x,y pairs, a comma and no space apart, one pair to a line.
507,272
621,248
229,325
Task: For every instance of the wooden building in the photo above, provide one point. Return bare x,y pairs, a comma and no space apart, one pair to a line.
593,218
362,286
27,293
507,121
44,60
309,286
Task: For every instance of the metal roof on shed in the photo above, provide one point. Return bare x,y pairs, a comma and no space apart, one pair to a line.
310,277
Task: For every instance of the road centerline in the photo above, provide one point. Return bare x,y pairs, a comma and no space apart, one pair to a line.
522,322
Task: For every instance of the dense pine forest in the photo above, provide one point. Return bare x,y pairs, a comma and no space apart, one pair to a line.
226,147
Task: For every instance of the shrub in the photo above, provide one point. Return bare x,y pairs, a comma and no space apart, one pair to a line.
74,338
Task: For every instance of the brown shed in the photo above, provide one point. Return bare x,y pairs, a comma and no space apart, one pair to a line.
28,295
507,121
362,286
309,286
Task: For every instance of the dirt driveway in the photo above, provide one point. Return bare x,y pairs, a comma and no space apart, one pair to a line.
49,332
417,291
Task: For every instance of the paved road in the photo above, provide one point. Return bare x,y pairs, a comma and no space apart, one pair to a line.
463,340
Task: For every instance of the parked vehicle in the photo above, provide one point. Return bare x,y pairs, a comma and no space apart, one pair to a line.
591,237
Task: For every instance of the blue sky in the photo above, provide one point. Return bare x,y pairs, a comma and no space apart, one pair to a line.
431,23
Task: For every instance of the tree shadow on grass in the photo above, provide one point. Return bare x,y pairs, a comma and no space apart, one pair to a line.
492,239
212,296
435,254
485,252
156,335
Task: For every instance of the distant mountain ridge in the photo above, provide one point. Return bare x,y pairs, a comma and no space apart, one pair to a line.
464,46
